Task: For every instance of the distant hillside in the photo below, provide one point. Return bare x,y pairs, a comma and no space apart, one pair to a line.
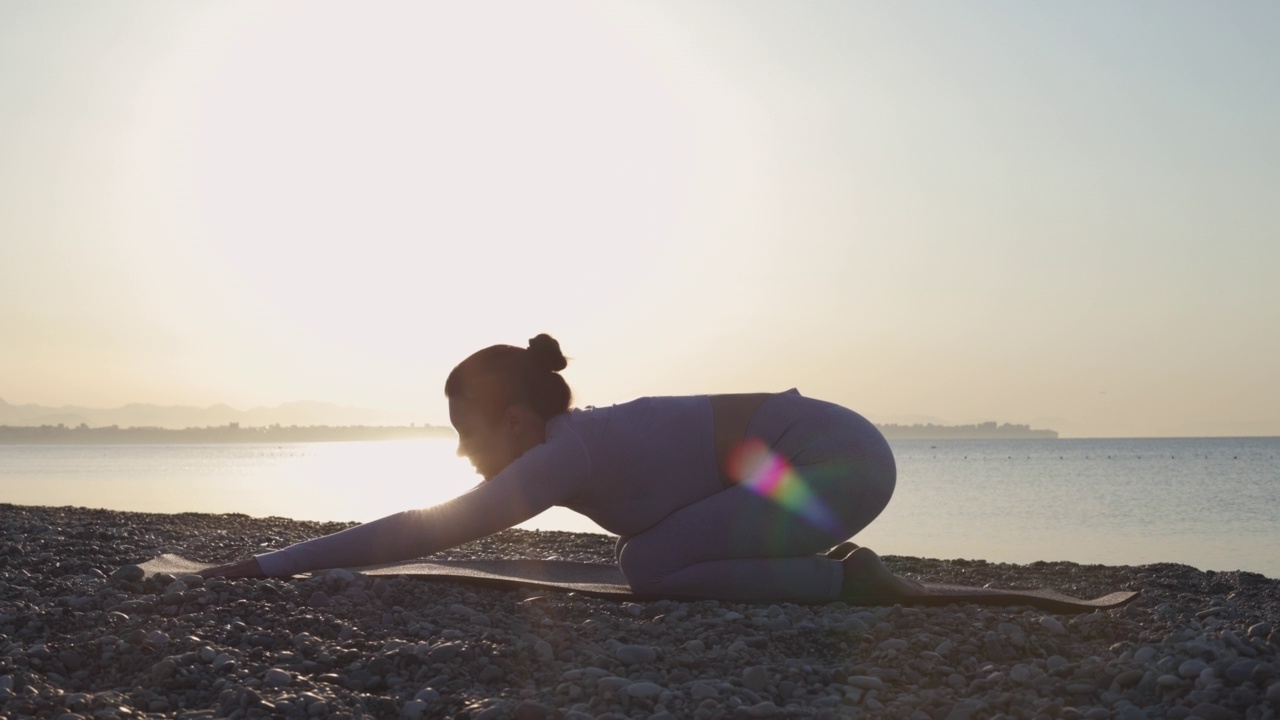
980,431
178,416
233,433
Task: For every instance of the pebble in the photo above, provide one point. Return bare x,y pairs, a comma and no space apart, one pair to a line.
643,689
1195,645
635,654
1053,625
1192,668
755,678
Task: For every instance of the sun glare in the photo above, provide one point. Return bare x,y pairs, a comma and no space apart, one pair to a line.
341,174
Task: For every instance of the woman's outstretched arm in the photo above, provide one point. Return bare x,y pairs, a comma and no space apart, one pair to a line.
542,477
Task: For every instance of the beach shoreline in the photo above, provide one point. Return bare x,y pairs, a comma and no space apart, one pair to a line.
82,636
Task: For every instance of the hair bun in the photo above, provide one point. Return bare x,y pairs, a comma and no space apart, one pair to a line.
545,351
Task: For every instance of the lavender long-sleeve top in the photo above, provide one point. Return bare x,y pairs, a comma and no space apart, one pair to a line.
626,467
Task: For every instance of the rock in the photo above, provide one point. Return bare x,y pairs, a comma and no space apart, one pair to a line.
643,690
635,654
413,710
1262,630
703,691
1053,625
1209,711
1273,694
755,678
530,710
163,670
763,709
1129,678
275,677
128,574
894,645
1192,668
338,576
612,684
1240,671
865,682
444,652
427,695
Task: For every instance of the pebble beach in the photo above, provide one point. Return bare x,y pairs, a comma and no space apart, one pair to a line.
82,635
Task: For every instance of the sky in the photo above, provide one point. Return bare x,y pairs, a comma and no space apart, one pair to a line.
1058,214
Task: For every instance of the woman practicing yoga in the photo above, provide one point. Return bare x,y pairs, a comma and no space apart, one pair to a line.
732,497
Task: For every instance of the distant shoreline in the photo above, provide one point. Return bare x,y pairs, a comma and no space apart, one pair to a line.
233,433
225,434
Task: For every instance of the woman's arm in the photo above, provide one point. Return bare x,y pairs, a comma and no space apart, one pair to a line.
546,475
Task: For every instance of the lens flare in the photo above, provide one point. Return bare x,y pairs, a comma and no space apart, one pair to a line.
770,476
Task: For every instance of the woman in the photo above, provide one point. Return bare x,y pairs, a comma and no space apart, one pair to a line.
731,497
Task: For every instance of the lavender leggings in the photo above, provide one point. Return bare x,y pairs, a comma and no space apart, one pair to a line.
761,538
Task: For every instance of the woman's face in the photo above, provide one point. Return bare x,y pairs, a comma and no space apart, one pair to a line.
483,440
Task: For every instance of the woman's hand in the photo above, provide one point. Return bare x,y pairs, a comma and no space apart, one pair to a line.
243,569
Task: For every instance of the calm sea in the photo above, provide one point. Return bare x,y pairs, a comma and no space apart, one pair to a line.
1208,502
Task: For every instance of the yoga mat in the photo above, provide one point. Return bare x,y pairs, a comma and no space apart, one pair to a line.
606,581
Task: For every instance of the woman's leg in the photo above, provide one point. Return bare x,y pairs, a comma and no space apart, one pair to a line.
760,541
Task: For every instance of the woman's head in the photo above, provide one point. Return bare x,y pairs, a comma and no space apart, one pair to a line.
501,397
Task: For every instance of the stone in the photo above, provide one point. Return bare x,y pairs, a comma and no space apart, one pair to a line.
128,574
762,709
1053,625
1261,629
163,670
427,695
703,690
275,677
530,710
635,654
643,690
865,682
1210,711
755,678
1192,668
612,683
894,645
1129,678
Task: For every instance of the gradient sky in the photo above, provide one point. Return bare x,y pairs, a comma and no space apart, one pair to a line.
1062,214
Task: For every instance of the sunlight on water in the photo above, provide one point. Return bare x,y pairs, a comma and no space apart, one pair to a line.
1210,503
347,481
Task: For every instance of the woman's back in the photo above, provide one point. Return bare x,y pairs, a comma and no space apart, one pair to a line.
647,458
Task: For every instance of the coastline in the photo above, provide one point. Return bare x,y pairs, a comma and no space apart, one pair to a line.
78,640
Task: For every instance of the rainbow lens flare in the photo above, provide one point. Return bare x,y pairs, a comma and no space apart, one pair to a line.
770,476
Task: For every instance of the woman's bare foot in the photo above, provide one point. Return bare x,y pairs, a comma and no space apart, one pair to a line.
866,579
841,551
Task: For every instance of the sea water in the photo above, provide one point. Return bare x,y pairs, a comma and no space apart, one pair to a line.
1213,503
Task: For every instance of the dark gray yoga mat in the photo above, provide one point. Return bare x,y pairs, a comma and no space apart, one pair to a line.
606,581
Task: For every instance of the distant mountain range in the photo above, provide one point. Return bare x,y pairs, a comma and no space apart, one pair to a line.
316,414
178,416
